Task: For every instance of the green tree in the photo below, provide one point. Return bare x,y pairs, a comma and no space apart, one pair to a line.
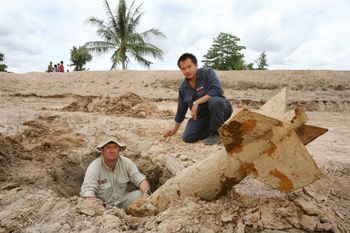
250,66
262,62
225,53
119,36
3,67
79,57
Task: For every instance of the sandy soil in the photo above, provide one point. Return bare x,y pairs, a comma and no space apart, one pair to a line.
51,123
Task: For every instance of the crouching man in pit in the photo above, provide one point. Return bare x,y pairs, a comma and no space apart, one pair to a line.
107,177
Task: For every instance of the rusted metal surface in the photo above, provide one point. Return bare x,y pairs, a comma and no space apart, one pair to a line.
271,149
308,133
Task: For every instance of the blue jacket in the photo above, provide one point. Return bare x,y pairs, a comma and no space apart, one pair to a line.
207,83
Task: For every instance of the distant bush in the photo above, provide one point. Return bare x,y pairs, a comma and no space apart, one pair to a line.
3,67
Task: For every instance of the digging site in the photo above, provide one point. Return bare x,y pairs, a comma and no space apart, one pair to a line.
51,123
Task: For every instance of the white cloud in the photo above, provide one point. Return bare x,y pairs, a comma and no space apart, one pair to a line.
295,34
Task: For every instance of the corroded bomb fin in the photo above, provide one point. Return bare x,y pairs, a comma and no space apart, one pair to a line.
308,133
270,149
287,165
276,106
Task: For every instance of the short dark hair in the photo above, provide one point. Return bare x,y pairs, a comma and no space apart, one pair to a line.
187,56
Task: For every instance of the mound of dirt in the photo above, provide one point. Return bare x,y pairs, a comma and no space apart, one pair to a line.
129,104
45,134
233,213
11,151
296,213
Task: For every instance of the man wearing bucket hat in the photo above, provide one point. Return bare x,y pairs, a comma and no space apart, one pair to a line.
107,176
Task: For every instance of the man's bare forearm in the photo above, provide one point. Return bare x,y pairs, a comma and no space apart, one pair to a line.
144,186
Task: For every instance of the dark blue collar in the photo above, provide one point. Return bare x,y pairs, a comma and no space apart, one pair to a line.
198,77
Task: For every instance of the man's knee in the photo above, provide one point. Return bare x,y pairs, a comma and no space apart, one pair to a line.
215,103
189,138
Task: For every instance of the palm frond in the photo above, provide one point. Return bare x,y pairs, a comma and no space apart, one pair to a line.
134,20
96,22
130,10
143,49
102,30
142,60
152,32
99,47
113,23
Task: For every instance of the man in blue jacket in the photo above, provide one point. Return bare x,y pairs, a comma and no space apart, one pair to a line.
201,91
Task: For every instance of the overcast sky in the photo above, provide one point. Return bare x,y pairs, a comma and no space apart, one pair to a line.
295,34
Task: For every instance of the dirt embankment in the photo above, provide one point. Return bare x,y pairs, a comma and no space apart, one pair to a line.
50,124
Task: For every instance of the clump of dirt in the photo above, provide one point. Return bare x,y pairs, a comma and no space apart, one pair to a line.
129,104
239,213
46,134
297,212
11,151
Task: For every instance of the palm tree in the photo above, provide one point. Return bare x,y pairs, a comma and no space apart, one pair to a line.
119,36
79,57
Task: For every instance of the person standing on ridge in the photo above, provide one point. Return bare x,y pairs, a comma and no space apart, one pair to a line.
50,67
61,67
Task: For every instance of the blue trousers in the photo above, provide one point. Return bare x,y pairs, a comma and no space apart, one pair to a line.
210,118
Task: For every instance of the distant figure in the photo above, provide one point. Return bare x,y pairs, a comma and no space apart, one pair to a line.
61,67
57,67
50,67
54,68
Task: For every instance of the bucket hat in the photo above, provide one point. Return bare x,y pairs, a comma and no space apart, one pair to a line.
109,139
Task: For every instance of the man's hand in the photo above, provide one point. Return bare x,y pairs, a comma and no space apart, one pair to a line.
145,189
194,111
145,195
170,132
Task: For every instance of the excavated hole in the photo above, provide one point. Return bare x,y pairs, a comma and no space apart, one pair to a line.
63,173
157,174
68,176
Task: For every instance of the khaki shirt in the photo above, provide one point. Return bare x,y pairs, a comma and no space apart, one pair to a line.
110,185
